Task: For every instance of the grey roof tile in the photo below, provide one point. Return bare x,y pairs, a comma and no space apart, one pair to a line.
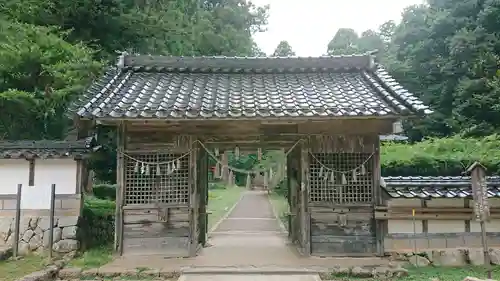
46,148
436,187
393,137
219,87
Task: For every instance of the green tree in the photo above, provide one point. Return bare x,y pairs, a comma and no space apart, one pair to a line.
52,49
40,72
175,27
283,50
344,42
447,53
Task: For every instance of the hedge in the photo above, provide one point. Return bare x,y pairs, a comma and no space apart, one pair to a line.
98,222
440,157
105,191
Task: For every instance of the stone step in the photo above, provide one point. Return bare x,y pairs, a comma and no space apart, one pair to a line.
271,270
249,277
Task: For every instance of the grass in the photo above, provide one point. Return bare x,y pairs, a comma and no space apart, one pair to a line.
436,273
11,270
220,201
280,204
92,258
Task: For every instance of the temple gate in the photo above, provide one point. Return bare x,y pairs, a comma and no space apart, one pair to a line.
172,114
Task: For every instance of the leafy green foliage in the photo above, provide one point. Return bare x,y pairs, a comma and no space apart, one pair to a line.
440,157
40,72
104,191
51,50
446,52
98,222
283,50
176,27
243,162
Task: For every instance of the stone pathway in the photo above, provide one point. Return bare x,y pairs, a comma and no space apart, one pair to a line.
250,236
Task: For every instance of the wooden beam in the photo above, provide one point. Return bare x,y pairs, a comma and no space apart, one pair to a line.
427,216
434,209
261,127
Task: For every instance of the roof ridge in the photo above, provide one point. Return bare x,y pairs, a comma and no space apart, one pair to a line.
355,61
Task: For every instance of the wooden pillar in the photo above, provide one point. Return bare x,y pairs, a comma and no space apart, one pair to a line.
295,172
377,198
481,206
120,187
193,198
304,190
290,197
224,168
202,196
283,165
266,180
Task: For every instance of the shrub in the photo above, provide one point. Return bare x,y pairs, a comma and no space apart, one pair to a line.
440,157
105,191
98,222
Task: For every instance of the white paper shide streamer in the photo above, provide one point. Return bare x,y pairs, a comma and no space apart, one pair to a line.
156,168
331,175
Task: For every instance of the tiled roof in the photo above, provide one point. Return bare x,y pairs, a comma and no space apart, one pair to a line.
435,187
45,148
236,87
393,138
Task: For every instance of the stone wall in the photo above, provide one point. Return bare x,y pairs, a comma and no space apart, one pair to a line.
34,234
34,225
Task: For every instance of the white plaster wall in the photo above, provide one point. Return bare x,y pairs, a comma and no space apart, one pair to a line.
493,202
61,172
399,202
404,226
446,226
446,202
434,226
491,226
12,173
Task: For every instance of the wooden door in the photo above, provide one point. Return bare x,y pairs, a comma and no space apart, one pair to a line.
156,206
342,209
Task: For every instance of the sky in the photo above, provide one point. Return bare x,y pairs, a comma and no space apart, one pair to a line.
308,25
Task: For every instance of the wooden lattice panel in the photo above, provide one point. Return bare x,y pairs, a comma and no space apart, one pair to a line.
356,191
164,188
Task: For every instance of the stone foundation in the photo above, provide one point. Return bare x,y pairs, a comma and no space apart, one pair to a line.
448,257
34,234
424,241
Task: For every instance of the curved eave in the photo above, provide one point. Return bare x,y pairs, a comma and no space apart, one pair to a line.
396,95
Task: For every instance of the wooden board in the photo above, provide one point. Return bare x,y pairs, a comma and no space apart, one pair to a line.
346,232
153,231
165,246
